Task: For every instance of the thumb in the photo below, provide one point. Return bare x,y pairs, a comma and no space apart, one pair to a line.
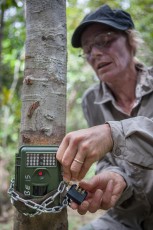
91,184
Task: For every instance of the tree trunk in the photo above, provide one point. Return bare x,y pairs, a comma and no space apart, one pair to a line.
43,116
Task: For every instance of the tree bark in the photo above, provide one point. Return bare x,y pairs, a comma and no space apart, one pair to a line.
43,117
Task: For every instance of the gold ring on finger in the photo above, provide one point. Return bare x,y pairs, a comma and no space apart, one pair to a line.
80,162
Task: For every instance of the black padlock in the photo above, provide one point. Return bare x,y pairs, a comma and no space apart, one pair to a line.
76,194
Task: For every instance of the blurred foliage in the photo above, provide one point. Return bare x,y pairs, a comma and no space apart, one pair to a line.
12,36
79,75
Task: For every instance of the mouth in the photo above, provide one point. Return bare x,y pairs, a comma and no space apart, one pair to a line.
102,65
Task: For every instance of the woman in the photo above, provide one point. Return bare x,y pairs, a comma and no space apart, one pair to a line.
109,44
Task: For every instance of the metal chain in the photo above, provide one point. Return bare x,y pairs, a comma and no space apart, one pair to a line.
40,208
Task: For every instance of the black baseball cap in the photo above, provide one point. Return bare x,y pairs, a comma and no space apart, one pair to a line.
116,18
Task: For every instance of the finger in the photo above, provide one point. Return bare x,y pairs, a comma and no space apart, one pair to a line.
107,196
61,150
65,155
92,184
84,185
74,205
60,155
75,170
65,148
85,167
67,163
83,208
96,201
83,172
78,165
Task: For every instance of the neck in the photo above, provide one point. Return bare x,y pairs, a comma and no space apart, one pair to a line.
124,91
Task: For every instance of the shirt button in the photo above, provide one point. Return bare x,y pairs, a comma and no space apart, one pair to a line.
118,152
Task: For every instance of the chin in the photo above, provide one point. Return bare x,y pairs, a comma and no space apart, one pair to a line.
105,77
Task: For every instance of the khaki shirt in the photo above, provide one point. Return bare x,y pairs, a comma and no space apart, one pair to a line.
136,168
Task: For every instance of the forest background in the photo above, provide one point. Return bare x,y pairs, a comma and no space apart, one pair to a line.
79,76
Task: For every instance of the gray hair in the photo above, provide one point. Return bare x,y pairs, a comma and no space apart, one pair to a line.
134,40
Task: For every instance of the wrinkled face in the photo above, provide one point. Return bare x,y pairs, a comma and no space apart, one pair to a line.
107,51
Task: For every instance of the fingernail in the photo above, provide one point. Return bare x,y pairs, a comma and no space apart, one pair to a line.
74,179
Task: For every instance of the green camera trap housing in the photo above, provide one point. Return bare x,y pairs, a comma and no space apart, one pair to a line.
37,172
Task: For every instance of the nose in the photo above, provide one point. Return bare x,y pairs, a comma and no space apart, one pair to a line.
95,52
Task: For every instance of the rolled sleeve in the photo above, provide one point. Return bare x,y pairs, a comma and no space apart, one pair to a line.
133,140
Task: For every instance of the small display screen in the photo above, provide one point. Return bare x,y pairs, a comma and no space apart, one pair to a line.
41,159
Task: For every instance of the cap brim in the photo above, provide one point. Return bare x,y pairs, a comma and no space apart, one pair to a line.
76,37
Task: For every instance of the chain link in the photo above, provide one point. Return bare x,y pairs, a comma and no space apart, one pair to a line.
43,207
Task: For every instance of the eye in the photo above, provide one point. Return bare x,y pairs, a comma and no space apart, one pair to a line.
105,39
108,42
